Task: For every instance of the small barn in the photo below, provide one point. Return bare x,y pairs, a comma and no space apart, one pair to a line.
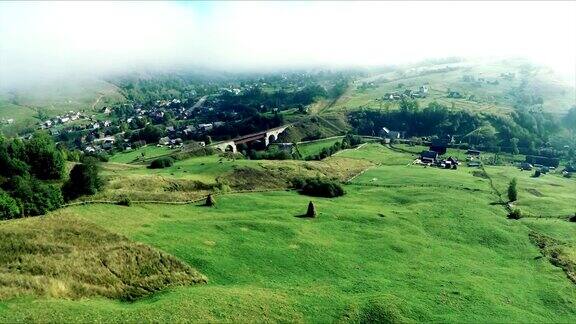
428,156
473,152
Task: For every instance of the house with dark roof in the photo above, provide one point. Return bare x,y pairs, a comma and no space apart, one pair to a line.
428,156
473,152
440,145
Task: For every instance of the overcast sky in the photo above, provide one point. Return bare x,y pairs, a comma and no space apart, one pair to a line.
48,38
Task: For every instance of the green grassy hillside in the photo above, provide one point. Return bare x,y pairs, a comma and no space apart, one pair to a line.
406,243
193,178
53,98
480,96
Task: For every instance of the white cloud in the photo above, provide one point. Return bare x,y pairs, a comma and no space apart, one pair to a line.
47,38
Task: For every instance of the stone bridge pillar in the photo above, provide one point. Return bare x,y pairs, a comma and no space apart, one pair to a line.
272,135
229,146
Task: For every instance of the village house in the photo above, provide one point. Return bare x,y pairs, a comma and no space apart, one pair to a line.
440,145
205,127
473,153
164,141
428,156
526,166
390,134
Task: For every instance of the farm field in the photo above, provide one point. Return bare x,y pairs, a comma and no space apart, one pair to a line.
548,196
134,156
406,243
314,147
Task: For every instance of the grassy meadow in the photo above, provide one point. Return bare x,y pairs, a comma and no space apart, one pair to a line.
193,178
405,244
141,154
314,147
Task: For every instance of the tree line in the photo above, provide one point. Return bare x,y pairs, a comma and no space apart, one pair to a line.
33,179
522,131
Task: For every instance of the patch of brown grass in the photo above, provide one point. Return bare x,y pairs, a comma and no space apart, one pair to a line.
65,258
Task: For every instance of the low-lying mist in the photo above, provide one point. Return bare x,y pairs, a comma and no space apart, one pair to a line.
48,41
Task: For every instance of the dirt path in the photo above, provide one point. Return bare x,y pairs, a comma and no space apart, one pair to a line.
97,101
200,102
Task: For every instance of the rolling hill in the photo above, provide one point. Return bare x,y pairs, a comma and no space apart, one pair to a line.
26,104
406,243
486,86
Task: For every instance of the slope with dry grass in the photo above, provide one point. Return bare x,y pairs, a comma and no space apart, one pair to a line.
64,257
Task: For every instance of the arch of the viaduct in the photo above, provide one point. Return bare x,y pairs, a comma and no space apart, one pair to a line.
268,136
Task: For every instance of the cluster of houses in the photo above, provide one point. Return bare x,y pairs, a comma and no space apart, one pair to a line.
438,147
63,119
100,135
422,92
432,158
102,131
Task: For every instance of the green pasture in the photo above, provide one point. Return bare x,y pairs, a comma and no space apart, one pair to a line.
406,243
138,155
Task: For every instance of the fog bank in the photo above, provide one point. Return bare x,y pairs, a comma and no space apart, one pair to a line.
44,40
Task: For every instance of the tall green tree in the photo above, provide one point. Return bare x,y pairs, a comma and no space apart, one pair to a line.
35,197
512,190
45,160
84,180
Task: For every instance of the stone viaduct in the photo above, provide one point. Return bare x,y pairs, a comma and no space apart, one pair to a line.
268,136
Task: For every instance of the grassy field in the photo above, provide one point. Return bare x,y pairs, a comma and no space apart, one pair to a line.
138,155
406,243
63,257
314,147
192,178
549,195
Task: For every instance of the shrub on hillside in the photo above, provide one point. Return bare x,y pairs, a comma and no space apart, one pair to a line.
512,190
573,218
84,180
318,187
8,206
270,154
163,162
124,201
100,156
515,214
